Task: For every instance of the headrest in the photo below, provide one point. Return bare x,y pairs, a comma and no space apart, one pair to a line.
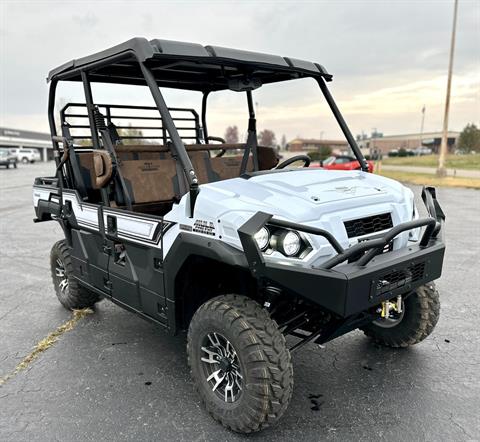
102,163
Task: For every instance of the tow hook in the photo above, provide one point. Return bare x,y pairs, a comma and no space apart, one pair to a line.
389,306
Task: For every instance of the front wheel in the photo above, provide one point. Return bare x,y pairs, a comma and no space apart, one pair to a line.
420,314
69,292
240,363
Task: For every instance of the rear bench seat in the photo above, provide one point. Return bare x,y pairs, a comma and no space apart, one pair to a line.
150,173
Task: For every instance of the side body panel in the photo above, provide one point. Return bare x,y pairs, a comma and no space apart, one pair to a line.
115,252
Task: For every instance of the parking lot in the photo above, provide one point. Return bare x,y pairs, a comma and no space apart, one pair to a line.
117,377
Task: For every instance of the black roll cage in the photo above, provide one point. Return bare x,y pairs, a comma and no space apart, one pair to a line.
176,145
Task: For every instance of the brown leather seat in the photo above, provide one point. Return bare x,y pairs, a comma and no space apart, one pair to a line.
150,180
226,167
150,172
267,158
201,164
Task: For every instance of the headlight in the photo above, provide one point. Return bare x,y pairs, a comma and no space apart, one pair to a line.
262,237
289,243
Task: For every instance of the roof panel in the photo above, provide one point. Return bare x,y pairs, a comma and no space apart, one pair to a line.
247,56
169,58
302,64
179,48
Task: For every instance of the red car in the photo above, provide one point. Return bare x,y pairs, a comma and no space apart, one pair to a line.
343,162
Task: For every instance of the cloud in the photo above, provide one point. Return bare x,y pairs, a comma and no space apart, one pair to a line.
87,20
388,58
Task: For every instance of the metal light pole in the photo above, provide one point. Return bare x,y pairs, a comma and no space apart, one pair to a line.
441,171
421,126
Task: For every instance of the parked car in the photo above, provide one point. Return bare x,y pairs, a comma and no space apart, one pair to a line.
25,155
421,150
7,159
236,250
343,162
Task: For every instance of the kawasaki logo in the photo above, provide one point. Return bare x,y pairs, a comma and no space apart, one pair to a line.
148,167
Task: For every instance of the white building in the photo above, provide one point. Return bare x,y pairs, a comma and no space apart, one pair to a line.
15,138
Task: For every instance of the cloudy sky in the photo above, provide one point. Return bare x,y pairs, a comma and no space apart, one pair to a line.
388,58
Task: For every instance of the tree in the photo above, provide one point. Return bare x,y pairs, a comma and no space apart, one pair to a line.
267,138
469,138
321,154
131,132
283,142
231,135
324,152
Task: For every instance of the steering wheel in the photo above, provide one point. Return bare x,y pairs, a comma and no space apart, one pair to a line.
220,140
305,158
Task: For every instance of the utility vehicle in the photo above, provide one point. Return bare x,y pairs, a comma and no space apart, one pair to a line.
221,241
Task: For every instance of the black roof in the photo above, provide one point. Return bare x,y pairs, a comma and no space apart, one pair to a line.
185,65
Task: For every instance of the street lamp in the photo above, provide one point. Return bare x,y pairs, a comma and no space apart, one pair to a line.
441,171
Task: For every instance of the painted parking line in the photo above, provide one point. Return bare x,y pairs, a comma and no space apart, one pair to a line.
47,342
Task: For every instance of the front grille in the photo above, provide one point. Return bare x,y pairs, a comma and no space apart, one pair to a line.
399,278
368,225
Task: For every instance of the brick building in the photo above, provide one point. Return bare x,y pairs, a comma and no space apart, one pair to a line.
308,145
409,142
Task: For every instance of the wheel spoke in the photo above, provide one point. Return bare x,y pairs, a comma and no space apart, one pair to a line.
239,385
63,284
221,367
213,357
214,339
229,388
219,376
231,353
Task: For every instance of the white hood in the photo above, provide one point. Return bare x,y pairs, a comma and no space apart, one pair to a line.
315,197
300,196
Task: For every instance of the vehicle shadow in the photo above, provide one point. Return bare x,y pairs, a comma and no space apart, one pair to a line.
338,389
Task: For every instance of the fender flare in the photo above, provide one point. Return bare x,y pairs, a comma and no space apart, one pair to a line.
185,246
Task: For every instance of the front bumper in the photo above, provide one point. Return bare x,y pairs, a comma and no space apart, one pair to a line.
355,287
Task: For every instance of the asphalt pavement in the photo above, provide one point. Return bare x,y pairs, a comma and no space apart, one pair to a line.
117,377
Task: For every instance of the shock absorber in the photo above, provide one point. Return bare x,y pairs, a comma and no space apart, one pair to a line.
271,293
388,306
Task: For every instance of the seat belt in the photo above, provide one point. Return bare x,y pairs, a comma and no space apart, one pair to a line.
181,178
108,146
251,146
74,162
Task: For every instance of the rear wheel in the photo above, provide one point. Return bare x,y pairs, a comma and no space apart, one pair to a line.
419,316
240,363
69,292
24,160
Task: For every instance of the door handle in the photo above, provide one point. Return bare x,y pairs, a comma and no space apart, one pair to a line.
111,225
